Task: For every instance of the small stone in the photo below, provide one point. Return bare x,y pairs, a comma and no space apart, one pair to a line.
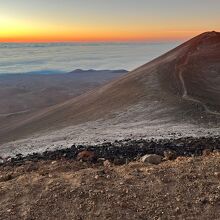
177,209
177,199
6,177
216,151
86,156
170,155
7,159
97,214
119,161
96,177
106,163
203,200
217,174
141,145
101,159
206,152
152,159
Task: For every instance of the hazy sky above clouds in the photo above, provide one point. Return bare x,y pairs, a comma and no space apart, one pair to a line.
106,20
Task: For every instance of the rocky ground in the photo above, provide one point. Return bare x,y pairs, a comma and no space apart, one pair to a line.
179,180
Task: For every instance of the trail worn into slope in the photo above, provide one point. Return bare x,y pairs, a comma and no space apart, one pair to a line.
185,96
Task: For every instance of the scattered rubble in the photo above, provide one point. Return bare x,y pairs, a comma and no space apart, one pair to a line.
185,188
124,151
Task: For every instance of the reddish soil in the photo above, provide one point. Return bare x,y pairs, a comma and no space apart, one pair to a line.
185,188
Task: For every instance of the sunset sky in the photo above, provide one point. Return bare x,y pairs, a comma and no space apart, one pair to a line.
106,20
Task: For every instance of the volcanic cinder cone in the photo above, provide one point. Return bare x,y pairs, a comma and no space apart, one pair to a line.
180,88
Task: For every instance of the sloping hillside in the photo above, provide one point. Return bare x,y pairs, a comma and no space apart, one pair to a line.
180,88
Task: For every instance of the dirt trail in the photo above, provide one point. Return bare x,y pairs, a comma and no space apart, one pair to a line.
185,96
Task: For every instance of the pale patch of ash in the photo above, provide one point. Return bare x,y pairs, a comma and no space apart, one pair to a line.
139,121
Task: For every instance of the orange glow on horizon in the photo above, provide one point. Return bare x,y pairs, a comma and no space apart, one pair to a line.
13,29
106,21
18,30
101,37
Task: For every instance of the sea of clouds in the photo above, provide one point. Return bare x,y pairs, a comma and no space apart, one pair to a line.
65,57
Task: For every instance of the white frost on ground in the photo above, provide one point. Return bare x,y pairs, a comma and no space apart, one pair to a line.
98,132
136,123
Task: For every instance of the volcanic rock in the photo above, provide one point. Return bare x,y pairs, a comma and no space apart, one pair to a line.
152,159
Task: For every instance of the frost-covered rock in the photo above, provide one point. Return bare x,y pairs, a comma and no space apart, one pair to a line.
152,159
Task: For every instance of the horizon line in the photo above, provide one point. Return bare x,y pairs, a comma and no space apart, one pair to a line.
99,41
68,39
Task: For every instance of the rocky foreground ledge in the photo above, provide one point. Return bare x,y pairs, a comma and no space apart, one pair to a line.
124,151
158,180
